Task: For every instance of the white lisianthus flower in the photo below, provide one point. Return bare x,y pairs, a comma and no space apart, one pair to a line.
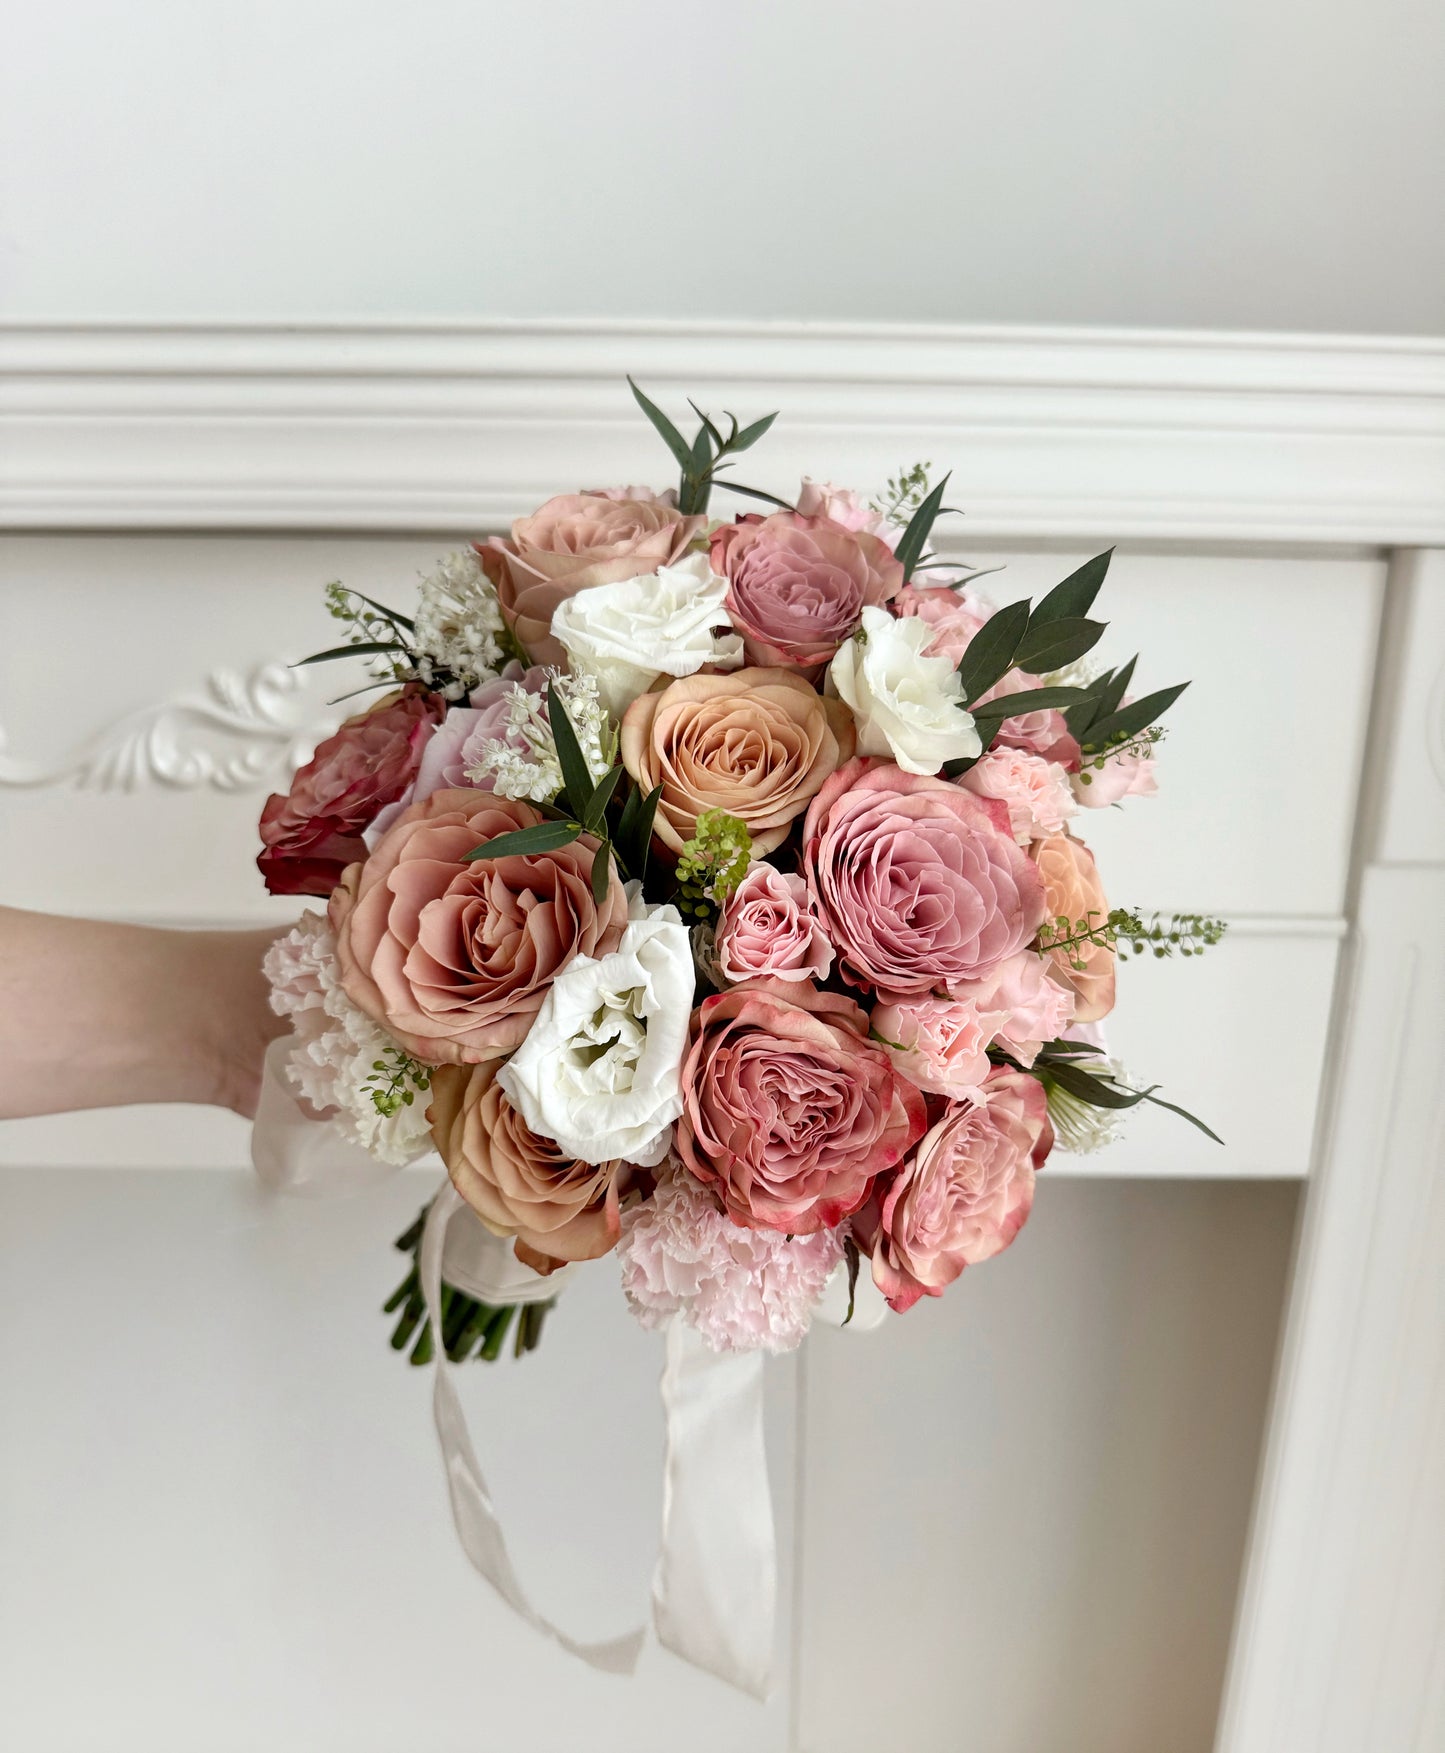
600,1068
908,707
667,623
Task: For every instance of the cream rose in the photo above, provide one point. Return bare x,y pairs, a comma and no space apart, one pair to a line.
908,706
668,623
599,1069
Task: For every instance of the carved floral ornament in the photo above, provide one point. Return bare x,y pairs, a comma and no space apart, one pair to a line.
235,733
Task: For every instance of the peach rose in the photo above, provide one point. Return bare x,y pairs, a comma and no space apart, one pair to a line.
797,586
519,1183
756,743
1072,891
963,1195
789,1111
453,958
577,540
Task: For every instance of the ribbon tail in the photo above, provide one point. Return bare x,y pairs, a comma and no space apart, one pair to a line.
716,1579
294,1152
476,1521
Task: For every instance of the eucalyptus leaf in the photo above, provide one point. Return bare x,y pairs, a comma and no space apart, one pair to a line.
669,434
990,652
540,837
1108,691
1183,1113
1093,1090
367,648
750,435
754,493
601,869
718,441
601,797
1052,644
576,774
1075,596
392,615
915,538
1129,720
1033,700
700,460
850,1254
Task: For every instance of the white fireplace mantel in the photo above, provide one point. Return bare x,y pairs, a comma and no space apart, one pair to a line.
1184,444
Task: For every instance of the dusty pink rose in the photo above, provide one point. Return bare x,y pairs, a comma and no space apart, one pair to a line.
767,927
954,615
789,1111
1035,792
459,739
314,831
519,1183
1040,733
1035,1003
455,958
845,508
1102,782
577,540
918,884
797,586
941,1044
1073,893
963,1195
640,495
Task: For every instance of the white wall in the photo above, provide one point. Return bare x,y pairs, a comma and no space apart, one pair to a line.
1255,163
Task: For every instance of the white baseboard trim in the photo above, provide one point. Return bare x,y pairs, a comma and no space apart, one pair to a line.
1049,432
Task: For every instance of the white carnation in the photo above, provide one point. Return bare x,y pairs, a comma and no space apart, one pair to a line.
335,1046
600,1068
908,707
667,623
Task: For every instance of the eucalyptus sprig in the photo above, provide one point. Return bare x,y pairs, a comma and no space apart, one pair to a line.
704,458
1187,934
1081,1072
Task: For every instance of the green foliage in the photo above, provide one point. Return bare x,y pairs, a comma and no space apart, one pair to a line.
395,1081
702,460
914,541
1096,1084
469,1327
1185,934
904,494
712,863
541,837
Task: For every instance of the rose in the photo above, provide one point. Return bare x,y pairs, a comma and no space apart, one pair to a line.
577,540
918,884
941,1044
598,1070
963,1195
766,927
666,623
454,958
519,1183
798,585
906,705
314,831
1040,733
757,744
1036,1005
1108,780
789,1111
453,750
843,507
954,615
1074,896
1034,791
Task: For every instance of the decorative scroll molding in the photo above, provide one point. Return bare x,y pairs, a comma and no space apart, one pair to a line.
1050,432
242,732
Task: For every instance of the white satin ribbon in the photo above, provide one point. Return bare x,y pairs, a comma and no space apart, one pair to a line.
715,1583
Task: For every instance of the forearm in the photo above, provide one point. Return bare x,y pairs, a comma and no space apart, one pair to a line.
95,1015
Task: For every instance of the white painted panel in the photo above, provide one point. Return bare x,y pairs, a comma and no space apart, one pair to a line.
1024,1505
223,1512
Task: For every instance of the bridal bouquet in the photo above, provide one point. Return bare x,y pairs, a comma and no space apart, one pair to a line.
711,894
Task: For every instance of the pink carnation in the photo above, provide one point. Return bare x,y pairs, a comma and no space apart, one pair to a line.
963,1195
1036,1007
1034,791
743,1289
941,1044
843,506
954,615
767,927
918,883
